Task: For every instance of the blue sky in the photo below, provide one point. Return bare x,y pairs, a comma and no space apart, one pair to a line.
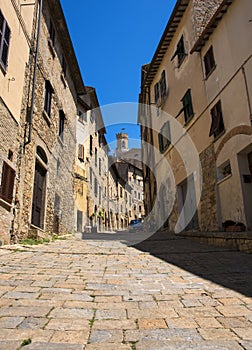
112,40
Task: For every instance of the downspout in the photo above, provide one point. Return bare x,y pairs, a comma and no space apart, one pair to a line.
34,74
247,92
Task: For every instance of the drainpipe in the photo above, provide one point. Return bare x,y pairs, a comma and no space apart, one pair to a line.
34,74
247,92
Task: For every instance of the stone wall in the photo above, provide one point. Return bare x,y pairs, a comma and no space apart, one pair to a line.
8,141
208,218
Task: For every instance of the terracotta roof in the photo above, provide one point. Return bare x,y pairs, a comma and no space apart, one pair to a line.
211,26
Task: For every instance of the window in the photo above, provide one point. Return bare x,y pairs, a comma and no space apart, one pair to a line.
99,166
95,156
160,90
100,194
52,33
81,152
224,171
7,183
61,124
91,145
48,97
4,41
187,106
95,187
217,126
121,192
180,51
209,62
138,195
164,137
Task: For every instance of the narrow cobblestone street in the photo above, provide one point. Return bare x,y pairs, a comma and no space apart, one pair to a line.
164,293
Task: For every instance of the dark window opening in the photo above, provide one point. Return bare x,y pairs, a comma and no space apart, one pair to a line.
61,124
4,41
52,32
187,106
95,156
209,61
64,65
91,145
48,97
164,137
180,51
217,126
7,183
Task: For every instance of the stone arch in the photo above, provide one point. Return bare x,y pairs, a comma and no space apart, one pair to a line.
239,130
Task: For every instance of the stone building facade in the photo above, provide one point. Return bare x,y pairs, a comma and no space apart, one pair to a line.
189,89
16,24
45,196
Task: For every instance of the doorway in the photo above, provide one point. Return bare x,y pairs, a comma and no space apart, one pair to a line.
38,201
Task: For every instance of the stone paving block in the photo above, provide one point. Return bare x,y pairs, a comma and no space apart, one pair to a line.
108,299
247,345
234,322
68,324
244,333
38,335
106,336
110,314
181,322
78,304
72,337
208,322
10,345
24,311
52,346
102,346
203,311
10,322
217,333
191,302
114,324
230,301
72,313
229,345
21,295
233,310
167,335
152,313
146,323
33,323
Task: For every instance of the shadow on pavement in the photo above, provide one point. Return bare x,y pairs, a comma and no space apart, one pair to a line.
231,269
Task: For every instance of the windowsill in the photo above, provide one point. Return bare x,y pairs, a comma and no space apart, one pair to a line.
189,119
219,136
5,204
210,72
47,118
224,179
51,47
3,69
32,226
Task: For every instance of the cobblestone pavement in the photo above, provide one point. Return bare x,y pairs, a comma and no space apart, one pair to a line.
165,293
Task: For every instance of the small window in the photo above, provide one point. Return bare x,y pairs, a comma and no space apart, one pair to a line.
95,156
217,126
81,152
100,194
90,177
224,171
61,124
180,51
48,97
121,192
7,183
156,91
4,41
52,33
95,187
99,166
163,84
209,62
164,137
187,106
91,145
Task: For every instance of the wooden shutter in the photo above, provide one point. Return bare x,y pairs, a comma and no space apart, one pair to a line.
7,183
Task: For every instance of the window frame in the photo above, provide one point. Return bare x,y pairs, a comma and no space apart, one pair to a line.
4,42
7,183
217,125
62,119
187,106
209,62
48,98
164,137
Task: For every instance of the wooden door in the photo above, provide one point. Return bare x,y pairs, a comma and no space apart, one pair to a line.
38,202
